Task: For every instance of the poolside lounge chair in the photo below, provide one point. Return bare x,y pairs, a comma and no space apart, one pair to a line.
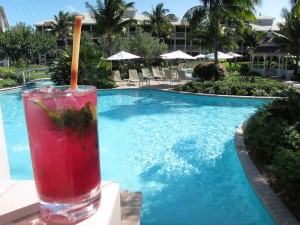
183,77
117,77
156,74
146,76
169,75
133,76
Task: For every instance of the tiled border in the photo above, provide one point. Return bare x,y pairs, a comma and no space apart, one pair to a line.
270,200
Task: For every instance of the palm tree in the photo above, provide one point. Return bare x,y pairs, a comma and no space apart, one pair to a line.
290,32
109,18
228,34
62,26
161,26
215,12
295,6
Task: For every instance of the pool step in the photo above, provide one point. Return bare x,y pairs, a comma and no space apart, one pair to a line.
131,206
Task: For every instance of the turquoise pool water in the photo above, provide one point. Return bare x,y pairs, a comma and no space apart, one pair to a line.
177,149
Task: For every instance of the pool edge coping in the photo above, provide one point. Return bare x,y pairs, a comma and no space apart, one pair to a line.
272,203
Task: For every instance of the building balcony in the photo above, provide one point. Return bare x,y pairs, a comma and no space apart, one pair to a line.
178,35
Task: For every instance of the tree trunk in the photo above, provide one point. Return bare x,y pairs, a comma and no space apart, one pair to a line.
109,36
65,41
297,65
216,42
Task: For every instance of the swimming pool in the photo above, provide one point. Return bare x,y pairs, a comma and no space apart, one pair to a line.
176,149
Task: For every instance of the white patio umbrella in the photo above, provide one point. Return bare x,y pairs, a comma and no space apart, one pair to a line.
176,55
123,55
234,55
200,56
221,55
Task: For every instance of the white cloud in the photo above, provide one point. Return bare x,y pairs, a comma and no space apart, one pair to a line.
71,8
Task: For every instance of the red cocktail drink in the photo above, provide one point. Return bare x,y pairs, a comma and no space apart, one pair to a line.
63,138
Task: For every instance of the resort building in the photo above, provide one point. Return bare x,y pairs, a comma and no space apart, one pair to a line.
3,20
264,23
178,41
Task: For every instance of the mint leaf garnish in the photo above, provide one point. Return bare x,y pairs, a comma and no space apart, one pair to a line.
70,117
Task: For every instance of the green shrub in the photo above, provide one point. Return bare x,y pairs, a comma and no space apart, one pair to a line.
254,73
273,137
237,85
91,68
7,83
287,168
209,71
244,69
105,83
6,72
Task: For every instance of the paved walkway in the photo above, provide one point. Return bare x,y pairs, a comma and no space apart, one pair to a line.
131,207
165,85
154,84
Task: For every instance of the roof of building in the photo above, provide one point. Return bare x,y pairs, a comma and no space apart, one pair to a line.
258,27
87,19
262,17
269,49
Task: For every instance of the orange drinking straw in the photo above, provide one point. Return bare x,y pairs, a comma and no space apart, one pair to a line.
75,54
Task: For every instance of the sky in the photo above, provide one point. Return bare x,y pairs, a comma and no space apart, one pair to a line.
34,11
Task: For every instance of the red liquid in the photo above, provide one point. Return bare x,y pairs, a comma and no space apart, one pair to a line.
65,161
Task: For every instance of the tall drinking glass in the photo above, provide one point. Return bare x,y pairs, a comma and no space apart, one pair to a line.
63,139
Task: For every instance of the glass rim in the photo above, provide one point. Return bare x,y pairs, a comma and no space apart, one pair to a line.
38,90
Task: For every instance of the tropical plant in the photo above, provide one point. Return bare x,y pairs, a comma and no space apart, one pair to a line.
7,83
161,26
109,18
229,34
62,26
22,44
144,44
252,37
209,71
236,85
92,69
215,13
290,32
272,137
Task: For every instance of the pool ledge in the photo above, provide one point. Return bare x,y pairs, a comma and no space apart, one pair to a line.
278,211
19,204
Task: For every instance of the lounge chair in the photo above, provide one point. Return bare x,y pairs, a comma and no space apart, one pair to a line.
146,76
183,77
133,76
156,74
169,76
117,77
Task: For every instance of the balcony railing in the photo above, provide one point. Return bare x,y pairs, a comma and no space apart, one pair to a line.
178,35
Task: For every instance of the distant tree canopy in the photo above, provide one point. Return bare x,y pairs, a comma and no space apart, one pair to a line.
145,45
217,15
22,44
109,18
160,22
93,69
62,26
